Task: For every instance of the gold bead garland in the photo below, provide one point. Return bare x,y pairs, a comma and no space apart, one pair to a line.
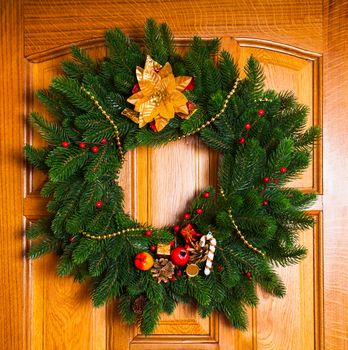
239,233
110,235
107,116
217,116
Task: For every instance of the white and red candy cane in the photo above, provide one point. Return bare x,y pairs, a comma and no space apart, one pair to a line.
212,244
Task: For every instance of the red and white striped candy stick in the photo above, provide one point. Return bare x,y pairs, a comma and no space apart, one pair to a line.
212,244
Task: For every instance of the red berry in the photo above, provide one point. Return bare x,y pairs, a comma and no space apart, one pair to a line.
153,126
265,203
172,243
248,275
95,149
191,85
247,126
153,248
148,233
172,279
266,179
190,106
206,194
65,144
82,145
179,273
219,267
242,140
199,211
104,141
135,89
283,170
176,228
187,216
260,112
99,204
276,181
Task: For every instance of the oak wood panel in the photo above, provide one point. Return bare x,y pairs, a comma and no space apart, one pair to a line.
50,24
158,183
13,268
295,321
53,24
336,175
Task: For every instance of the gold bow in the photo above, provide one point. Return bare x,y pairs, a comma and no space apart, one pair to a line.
160,96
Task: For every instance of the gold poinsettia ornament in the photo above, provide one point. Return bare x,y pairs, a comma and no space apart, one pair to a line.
160,96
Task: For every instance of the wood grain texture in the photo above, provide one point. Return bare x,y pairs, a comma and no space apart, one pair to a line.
159,183
12,291
40,311
336,175
50,24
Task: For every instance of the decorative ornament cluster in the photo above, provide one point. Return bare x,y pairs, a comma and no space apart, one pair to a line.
227,241
158,95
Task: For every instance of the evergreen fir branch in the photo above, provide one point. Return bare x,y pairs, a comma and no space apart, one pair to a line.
98,263
102,292
198,290
234,312
71,88
45,246
281,156
82,57
270,282
75,223
228,69
169,304
154,43
124,307
65,162
254,82
308,138
150,318
214,140
37,156
238,172
230,275
39,228
65,265
51,102
285,257
168,41
84,249
51,132
125,54
73,70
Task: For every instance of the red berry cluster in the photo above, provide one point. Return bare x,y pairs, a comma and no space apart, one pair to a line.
94,148
248,126
267,180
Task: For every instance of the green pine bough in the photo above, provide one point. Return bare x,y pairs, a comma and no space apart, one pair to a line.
262,141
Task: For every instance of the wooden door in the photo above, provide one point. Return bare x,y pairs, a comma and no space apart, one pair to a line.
301,46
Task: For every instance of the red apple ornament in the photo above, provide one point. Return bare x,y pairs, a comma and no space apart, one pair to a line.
143,261
179,256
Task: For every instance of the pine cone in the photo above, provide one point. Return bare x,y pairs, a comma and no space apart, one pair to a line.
138,304
198,253
162,270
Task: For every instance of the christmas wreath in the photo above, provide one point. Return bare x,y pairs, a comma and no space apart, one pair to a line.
230,238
